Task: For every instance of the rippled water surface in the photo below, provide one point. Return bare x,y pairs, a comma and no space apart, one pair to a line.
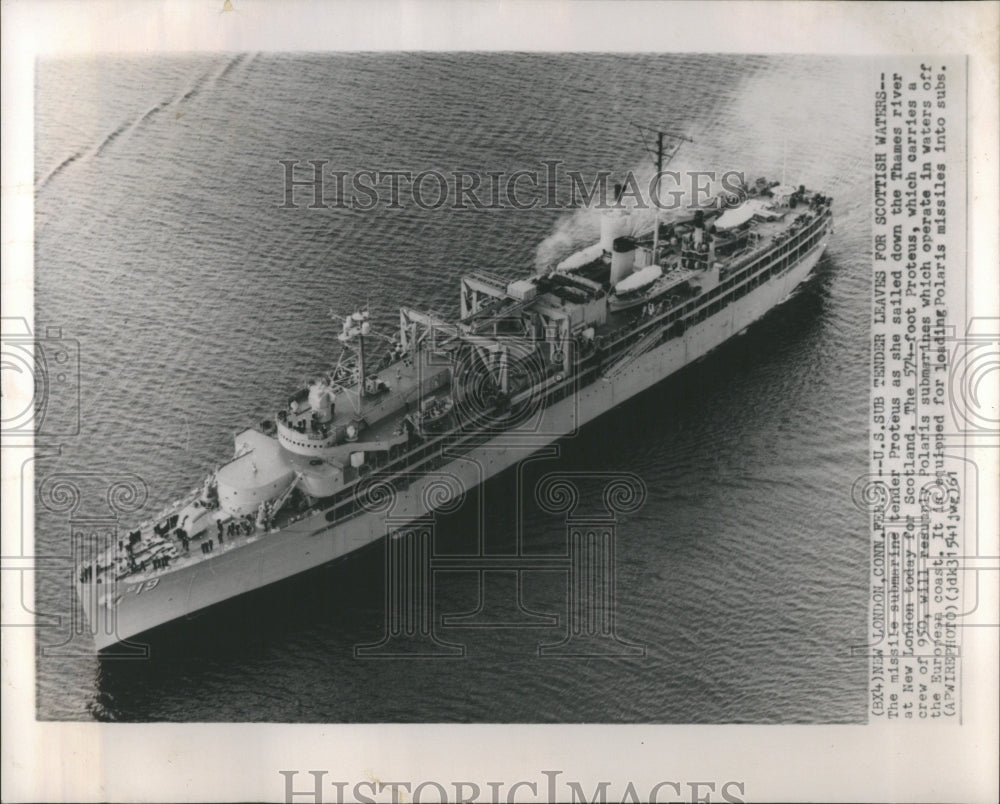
198,303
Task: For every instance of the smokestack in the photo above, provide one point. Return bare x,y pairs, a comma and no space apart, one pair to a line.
613,225
622,259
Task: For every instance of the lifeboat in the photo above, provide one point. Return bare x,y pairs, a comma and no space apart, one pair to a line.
633,290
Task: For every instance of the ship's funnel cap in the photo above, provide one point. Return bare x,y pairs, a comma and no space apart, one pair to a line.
623,245
613,224
622,259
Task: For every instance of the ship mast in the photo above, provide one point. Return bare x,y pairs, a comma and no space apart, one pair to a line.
658,155
352,357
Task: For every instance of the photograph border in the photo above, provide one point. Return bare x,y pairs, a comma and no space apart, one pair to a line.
127,762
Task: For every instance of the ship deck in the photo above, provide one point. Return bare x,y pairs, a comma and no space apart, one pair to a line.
406,383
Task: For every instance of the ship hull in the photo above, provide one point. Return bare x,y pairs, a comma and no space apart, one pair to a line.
124,611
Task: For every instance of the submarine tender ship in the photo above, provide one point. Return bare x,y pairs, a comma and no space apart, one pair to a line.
528,361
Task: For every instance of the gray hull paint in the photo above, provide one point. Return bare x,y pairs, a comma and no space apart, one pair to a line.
312,542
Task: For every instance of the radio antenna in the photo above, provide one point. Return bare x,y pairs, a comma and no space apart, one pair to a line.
662,157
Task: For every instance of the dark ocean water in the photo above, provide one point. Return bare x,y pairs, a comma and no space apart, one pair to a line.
198,303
